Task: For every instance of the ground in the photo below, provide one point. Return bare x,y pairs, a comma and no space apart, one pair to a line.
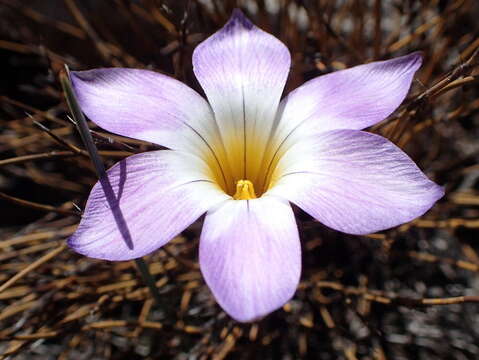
407,293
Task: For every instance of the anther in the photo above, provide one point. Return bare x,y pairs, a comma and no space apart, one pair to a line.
244,190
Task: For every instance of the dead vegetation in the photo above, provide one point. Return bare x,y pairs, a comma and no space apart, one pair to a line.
407,293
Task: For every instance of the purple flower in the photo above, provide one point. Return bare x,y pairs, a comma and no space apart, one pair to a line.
242,156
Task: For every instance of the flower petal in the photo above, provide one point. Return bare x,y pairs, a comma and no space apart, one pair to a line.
242,70
144,202
250,256
354,98
145,105
355,182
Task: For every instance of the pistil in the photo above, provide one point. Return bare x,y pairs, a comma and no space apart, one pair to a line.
244,190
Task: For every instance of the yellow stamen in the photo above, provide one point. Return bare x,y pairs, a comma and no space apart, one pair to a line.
244,190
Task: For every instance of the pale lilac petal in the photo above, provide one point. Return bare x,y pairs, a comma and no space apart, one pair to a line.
145,105
242,70
145,201
355,182
354,98
250,256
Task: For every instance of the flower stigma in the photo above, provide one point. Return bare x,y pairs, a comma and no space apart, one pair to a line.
244,190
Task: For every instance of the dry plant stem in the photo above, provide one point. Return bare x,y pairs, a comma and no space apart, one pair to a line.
457,77
99,167
32,267
58,139
47,155
380,297
87,28
35,205
457,72
111,141
354,52
466,265
33,110
82,125
148,278
79,151
34,15
59,154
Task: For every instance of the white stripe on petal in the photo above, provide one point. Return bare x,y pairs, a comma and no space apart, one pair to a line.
242,70
250,255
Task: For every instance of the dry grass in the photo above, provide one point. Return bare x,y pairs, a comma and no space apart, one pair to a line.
407,293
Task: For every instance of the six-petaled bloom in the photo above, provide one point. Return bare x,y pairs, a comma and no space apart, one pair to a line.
242,156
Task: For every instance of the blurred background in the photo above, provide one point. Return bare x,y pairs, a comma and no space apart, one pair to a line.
406,293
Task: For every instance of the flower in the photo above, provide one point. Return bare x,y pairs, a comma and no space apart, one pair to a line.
242,156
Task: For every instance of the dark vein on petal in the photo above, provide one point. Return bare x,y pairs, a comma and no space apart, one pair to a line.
212,151
270,164
244,132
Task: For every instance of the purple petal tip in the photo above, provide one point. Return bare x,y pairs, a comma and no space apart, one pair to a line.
238,18
414,60
84,76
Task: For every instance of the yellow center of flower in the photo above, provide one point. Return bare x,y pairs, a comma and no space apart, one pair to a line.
244,161
244,190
